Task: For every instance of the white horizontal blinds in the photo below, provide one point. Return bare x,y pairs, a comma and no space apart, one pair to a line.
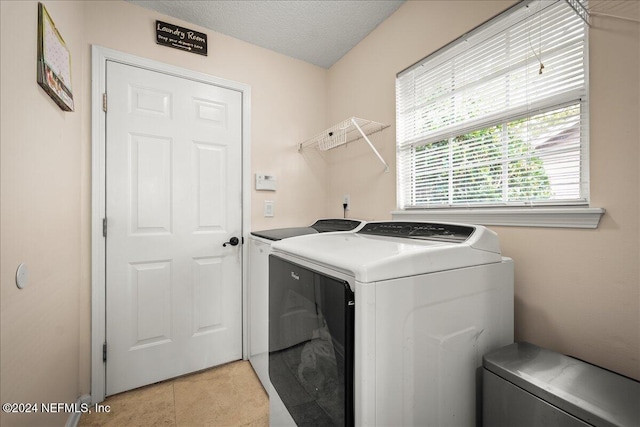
478,124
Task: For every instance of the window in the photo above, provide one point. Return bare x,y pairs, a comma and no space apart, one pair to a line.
498,118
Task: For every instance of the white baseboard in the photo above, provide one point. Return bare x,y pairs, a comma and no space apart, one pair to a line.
74,417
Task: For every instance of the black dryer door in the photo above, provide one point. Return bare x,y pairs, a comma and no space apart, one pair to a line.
311,344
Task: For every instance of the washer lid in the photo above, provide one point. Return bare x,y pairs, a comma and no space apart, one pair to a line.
336,224
320,226
372,258
284,233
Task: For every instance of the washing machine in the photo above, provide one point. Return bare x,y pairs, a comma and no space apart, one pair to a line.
259,250
386,325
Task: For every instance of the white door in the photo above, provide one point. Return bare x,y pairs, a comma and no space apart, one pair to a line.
173,190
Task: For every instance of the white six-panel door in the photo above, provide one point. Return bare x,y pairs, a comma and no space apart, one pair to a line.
173,198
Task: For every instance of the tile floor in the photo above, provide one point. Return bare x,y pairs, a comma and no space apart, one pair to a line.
228,395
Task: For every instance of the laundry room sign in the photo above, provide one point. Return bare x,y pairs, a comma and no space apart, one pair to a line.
181,38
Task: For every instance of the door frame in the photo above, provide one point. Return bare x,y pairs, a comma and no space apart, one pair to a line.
99,58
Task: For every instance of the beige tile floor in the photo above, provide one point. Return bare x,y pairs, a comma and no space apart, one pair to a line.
228,395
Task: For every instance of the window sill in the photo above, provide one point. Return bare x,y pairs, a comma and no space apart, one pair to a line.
566,217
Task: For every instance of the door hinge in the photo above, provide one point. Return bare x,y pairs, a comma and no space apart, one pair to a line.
104,102
104,227
104,352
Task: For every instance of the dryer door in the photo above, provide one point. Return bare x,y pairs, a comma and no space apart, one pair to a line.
311,321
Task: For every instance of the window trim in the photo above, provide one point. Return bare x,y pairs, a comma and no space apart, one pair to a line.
554,217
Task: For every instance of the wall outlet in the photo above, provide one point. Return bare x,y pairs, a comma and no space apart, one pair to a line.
346,200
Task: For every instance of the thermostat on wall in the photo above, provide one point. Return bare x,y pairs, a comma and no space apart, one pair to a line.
266,182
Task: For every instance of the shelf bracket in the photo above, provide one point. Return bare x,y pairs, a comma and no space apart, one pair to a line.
386,166
580,10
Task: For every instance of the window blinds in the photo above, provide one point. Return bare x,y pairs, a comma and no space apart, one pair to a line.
498,117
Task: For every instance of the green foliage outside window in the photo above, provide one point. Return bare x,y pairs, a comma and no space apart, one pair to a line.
471,168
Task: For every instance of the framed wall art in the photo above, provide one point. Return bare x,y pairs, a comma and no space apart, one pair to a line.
54,61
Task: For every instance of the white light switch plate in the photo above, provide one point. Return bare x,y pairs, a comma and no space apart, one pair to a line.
268,208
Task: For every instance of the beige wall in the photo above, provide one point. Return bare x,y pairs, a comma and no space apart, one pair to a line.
46,178
40,201
577,291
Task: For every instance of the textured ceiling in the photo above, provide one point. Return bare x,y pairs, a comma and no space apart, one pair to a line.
319,32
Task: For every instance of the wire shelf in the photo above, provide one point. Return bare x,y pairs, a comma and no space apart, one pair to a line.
344,132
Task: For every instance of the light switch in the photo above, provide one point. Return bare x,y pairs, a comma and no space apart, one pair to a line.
268,208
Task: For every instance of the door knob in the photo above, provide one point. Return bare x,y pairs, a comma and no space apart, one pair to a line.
232,241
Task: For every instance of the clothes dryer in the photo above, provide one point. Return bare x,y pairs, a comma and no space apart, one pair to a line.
259,250
386,325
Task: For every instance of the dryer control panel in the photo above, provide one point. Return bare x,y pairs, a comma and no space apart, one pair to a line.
450,233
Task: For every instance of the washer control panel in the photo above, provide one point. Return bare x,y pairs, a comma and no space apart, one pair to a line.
420,230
